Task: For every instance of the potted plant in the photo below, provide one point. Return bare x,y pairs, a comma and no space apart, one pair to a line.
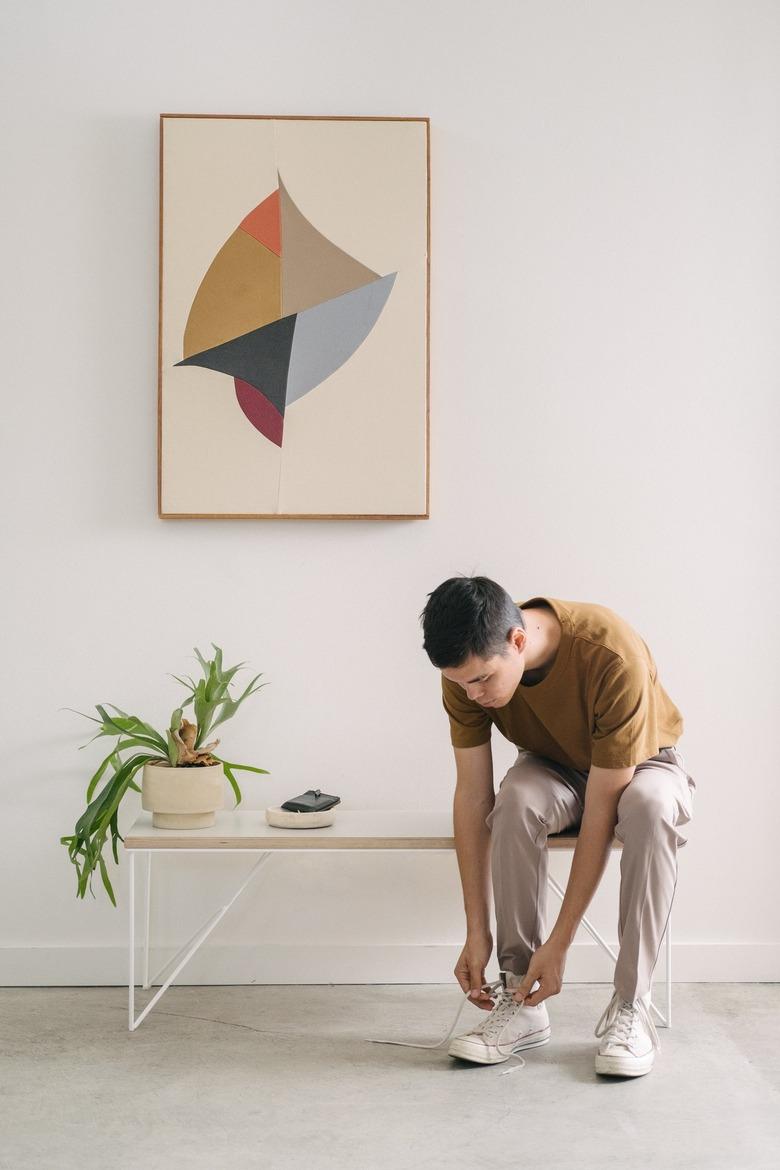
182,780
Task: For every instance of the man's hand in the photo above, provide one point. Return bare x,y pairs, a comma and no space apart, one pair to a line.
470,968
547,965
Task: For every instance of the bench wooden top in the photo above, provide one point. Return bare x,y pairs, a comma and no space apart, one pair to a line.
352,829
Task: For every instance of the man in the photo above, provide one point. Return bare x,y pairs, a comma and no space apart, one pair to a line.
576,689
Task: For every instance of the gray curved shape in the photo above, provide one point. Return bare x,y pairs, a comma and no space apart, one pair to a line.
328,334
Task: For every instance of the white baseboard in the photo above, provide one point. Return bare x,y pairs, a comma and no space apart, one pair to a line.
305,964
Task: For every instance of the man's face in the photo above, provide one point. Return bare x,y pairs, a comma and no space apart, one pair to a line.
491,682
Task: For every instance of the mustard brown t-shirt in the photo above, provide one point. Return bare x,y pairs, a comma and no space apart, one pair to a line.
600,703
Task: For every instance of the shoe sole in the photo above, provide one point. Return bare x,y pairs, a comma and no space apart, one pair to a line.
478,1054
622,1066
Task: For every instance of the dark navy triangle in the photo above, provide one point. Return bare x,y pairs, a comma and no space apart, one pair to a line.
261,358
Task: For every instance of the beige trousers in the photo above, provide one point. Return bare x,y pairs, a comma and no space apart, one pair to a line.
540,796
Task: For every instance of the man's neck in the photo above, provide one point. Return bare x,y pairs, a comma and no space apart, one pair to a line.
544,638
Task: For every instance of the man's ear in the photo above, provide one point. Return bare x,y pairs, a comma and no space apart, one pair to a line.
517,636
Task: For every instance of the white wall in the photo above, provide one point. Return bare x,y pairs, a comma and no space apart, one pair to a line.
604,307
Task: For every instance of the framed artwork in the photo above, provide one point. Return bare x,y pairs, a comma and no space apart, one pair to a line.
294,373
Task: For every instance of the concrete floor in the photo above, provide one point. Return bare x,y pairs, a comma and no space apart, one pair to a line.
282,1078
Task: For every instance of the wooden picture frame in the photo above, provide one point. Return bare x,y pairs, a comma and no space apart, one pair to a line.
294,317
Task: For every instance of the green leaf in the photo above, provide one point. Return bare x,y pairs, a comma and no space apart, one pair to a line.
243,767
91,718
108,727
132,725
173,750
94,737
96,806
114,834
190,684
110,759
142,741
230,706
205,666
99,811
203,709
125,773
83,879
111,726
106,882
94,824
233,783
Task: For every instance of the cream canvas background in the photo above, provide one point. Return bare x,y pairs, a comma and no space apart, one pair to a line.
355,444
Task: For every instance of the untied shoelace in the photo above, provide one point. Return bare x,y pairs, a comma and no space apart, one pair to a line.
619,1016
495,1023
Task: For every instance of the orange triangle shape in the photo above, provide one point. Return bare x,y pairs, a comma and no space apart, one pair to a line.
264,223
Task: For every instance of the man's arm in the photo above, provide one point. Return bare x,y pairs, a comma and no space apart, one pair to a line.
602,793
474,798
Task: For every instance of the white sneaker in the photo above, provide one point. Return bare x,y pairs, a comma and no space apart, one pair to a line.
508,1029
630,1039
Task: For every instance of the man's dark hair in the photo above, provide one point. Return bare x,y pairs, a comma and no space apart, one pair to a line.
465,616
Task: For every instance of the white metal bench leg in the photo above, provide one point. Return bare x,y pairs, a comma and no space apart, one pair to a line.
664,1020
131,949
189,948
147,942
588,925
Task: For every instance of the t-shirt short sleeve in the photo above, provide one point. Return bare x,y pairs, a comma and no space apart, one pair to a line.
470,724
625,722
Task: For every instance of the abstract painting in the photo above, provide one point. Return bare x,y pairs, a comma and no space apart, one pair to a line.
294,311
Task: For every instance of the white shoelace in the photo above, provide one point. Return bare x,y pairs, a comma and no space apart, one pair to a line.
619,1018
491,1028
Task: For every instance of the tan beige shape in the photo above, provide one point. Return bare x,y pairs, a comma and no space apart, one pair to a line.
313,268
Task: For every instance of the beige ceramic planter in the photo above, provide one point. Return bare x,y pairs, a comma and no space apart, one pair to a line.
182,798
